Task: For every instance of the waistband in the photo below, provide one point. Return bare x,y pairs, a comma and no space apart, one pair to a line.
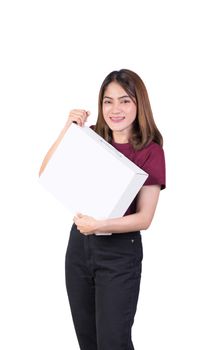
124,235
133,234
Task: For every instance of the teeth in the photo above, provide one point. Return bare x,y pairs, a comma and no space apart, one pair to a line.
118,118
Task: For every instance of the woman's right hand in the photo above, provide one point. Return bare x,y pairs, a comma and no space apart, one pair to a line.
77,115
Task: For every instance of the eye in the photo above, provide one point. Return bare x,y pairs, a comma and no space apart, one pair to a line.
126,101
107,101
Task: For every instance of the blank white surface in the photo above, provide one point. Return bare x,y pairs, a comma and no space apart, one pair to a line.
87,175
54,56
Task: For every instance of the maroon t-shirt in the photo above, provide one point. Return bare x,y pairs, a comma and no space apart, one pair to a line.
150,159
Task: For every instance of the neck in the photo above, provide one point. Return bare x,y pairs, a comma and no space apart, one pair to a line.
120,137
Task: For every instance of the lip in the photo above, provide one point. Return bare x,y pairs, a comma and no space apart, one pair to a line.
117,119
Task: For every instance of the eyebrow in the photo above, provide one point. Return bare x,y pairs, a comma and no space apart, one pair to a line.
119,98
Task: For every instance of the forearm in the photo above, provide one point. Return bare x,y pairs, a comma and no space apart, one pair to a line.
128,223
141,220
52,150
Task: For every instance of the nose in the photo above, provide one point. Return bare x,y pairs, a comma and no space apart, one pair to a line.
115,108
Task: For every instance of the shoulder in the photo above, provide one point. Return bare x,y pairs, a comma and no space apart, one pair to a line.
153,147
151,159
155,150
152,151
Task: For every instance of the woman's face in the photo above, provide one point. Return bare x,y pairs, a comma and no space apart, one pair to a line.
119,110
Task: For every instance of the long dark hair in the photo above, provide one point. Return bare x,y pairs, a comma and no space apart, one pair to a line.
144,129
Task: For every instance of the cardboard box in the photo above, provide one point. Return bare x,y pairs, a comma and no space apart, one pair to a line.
88,175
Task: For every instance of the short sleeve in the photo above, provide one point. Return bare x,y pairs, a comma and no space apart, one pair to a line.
155,167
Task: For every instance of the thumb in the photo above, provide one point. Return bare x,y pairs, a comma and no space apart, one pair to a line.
79,215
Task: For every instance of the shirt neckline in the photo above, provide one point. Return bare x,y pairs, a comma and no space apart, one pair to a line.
122,146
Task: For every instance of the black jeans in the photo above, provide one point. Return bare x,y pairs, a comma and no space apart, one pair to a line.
103,280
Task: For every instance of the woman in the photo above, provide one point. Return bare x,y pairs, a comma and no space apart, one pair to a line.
103,272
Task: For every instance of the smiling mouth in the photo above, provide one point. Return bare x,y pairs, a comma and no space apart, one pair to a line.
117,119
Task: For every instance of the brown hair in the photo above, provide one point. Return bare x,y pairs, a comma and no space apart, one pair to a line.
144,129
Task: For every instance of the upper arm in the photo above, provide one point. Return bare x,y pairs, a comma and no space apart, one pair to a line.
147,200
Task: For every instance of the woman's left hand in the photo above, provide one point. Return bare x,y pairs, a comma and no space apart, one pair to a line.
86,224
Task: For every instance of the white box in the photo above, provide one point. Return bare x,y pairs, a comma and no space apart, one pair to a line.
88,175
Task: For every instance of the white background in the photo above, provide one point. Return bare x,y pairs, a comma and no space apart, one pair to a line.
54,56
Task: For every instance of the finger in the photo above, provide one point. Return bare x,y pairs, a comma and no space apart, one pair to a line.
79,215
81,230
78,111
77,116
84,233
85,115
76,219
74,119
79,120
83,120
